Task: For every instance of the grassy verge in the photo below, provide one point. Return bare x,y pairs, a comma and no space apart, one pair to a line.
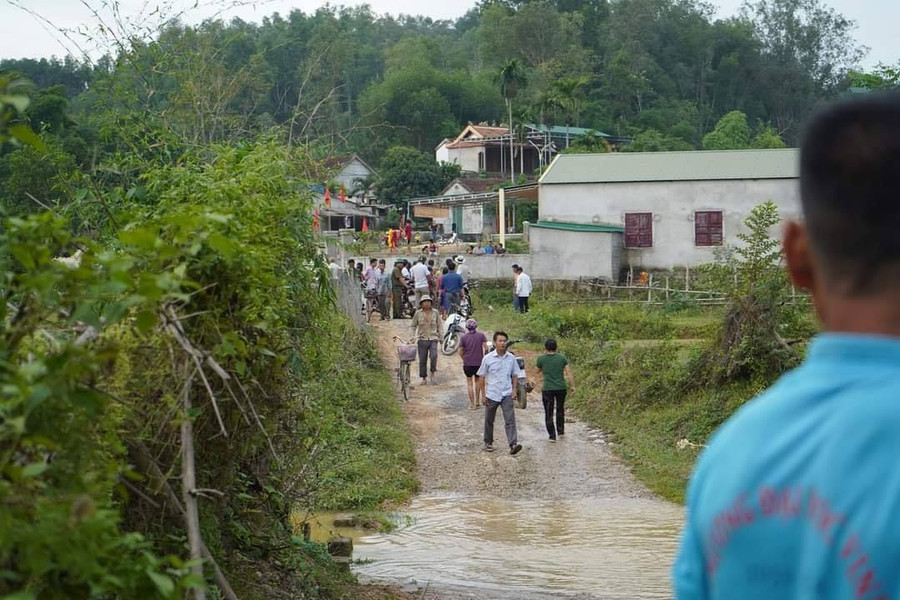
371,462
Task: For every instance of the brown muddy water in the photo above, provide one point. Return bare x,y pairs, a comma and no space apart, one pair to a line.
590,548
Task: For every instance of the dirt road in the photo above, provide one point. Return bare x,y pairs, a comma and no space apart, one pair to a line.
449,443
564,519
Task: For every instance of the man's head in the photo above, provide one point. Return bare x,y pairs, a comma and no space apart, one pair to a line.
373,262
382,265
452,266
848,247
422,259
431,262
425,302
351,263
550,345
500,339
516,268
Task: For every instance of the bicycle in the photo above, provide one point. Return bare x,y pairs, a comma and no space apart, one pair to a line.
371,305
406,352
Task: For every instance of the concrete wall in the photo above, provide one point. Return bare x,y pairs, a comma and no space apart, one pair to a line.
555,255
472,216
466,157
560,254
673,204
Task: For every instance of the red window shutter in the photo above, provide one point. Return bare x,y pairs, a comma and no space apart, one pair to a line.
708,228
638,230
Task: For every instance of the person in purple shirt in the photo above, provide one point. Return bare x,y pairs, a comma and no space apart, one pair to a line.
472,349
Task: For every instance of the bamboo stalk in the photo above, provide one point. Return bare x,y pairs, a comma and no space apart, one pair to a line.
189,485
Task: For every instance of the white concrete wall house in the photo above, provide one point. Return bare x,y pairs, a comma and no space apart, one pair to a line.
471,221
347,169
675,208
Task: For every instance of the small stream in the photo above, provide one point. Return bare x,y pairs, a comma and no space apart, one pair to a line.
610,548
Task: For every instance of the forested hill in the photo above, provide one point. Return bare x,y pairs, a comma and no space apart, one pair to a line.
662,70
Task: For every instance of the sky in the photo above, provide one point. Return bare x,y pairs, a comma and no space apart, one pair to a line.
24,35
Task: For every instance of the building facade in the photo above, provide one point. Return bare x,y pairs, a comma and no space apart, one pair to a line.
675,208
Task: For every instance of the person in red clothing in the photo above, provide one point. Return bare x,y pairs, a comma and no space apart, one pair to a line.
408,232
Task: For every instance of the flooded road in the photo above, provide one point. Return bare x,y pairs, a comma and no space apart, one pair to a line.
515,549
563,519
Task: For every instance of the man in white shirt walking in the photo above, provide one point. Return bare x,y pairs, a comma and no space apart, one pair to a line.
500,369
419,273
523,288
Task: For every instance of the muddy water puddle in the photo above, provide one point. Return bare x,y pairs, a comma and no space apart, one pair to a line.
612,548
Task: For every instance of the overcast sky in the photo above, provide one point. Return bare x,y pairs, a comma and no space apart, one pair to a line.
24,35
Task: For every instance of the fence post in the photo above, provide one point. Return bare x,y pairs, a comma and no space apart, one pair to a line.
650,289
667,289
687,279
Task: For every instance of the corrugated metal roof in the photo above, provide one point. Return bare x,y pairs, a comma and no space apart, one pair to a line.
588,227
621,167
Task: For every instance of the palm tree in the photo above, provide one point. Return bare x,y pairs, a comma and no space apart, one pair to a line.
568,93
511,78
365,186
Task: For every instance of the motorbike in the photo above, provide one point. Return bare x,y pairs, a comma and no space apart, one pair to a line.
523,386
409,307
455,327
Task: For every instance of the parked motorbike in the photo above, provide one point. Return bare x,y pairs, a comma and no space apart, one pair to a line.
523,386
455,327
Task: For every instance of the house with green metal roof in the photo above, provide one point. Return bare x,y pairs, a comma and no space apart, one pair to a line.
673,209
489,149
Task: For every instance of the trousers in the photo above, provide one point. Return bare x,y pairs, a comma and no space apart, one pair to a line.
397,300
509,419
426,348
382,305
554,399
523,303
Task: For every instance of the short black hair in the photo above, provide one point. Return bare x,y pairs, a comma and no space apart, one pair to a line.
451,266
431,262
373,260
550,345
381,261
849,181
351,262
499,333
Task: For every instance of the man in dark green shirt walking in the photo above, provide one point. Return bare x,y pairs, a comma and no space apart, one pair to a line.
555,369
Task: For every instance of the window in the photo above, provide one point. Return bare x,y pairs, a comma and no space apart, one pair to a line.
481,161
708,228
638,230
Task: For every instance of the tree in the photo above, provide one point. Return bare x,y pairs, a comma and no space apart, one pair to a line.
406,173
511,78
731,133
652,140
767,137
879,78
568,94
807,33
589,143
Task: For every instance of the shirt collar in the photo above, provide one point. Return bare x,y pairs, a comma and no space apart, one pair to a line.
846,347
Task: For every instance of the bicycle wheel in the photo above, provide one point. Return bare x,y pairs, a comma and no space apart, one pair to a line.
404,381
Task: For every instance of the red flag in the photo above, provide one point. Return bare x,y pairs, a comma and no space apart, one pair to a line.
316,219
342,195
365,224
327,198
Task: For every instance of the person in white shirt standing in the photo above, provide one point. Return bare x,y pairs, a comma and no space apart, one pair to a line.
419,273
523,289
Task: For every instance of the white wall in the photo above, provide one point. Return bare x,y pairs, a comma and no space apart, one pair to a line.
560,254
349,173
466,157
673,204
555,255
472,219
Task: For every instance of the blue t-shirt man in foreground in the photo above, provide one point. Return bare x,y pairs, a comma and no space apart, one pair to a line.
798,494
